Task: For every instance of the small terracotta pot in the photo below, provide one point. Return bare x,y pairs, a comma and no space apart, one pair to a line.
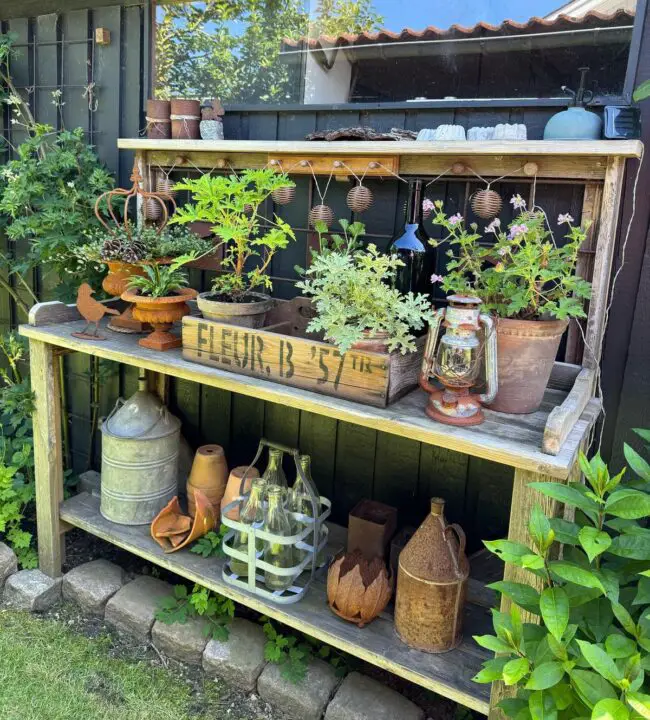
115,283
234,486
161,313
186,118
173,530
158,122
209,475
376,342
526,351
358,590
250,315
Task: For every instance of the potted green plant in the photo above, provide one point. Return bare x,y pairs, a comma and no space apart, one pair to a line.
356,307
232,205
159,297
529,281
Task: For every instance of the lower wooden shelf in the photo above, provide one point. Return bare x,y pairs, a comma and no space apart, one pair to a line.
449,675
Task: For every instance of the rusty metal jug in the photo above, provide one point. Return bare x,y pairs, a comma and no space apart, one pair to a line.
431,585
140,444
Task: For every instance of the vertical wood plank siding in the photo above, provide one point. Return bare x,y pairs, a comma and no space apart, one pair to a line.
56,51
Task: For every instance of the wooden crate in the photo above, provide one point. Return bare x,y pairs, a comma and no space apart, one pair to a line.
285,353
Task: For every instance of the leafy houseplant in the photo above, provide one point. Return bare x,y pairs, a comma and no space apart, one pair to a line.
232,206
160,300
355,304
589,656
529,281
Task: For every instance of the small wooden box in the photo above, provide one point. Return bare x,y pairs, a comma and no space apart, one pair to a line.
284,353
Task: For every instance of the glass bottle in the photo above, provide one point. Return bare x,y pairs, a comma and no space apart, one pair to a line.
252,513
277,554
300,502
274,474
412,247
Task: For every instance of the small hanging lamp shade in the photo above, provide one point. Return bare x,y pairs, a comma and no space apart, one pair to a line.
322,213
486,204
283,195
360,198
152,209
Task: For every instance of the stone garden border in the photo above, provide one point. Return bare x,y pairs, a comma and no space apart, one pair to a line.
100,589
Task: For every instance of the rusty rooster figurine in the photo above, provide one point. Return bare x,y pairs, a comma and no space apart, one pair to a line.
91,311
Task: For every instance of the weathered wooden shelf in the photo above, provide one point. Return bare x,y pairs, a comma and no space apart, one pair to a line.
586,160
514,440
449,675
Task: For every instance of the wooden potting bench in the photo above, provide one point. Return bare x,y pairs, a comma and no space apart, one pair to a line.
542,446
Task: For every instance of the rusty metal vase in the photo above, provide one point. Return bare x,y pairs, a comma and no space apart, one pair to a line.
526,351
431,585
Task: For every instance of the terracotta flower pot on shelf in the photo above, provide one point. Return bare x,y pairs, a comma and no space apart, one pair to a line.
209,475
526,351
234,489
116,283
161,313
245,314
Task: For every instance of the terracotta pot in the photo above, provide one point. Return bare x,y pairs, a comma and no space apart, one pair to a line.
234,485
158,122
358,590
186,117
376,342
115,283
209,475
250,314
432,584
526,351
161,313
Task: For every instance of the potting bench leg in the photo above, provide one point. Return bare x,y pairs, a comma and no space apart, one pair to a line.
48,459
524,499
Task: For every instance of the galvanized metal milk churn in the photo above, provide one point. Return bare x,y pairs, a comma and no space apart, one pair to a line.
140,444
431,585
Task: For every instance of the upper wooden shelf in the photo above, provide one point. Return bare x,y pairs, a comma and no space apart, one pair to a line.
568,148
565,160
514,440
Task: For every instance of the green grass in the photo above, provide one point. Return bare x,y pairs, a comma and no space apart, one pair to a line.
48,672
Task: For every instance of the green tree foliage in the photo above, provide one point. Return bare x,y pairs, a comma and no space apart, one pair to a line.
589,655
232,49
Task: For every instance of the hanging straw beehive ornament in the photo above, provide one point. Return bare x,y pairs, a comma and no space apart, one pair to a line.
321,213
360,198
486,204
165,186
152,210
283,195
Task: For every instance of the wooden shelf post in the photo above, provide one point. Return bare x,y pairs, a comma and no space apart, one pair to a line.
48,459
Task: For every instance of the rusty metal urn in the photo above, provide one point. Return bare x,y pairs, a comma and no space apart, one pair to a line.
431,585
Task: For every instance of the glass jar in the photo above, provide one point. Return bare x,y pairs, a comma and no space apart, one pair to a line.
252,513
274,474
277,554
300,502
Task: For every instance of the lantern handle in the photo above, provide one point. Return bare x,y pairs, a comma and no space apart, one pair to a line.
462,542
429,351
491,378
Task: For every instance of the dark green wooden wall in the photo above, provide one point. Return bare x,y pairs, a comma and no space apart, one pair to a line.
349,462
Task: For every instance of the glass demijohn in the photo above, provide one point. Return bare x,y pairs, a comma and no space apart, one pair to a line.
277,554
252,513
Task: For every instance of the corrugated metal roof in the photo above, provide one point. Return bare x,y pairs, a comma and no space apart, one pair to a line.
506,28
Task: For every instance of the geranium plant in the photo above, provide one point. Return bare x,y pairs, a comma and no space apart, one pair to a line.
352,294
518,272
233,207
589,655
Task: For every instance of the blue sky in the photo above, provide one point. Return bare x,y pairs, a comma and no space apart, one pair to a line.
417,14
